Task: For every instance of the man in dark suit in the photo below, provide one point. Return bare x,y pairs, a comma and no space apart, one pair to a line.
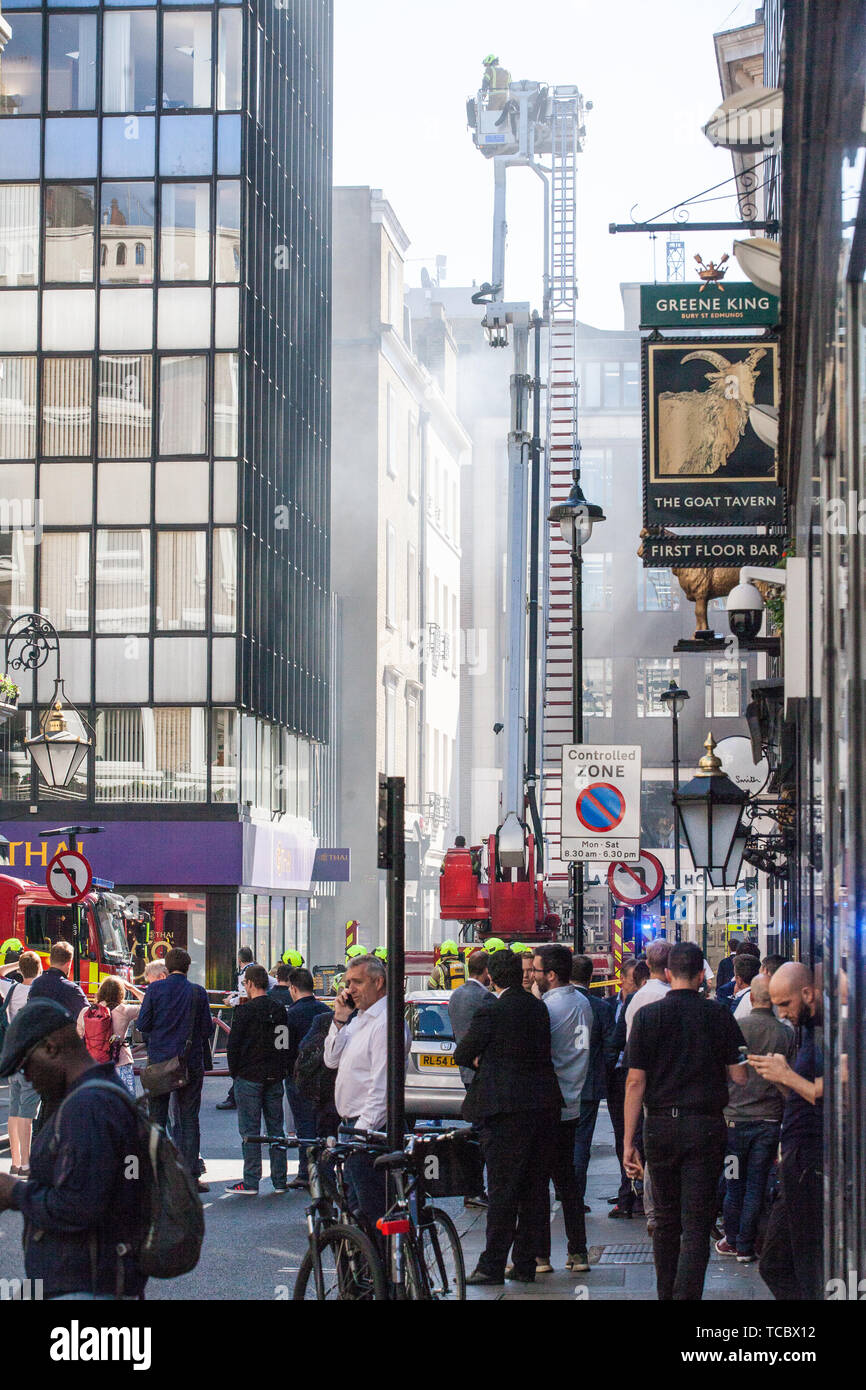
601,1056
515,1101
466,1000
623,1204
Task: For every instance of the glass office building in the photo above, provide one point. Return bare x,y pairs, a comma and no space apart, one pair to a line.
165,225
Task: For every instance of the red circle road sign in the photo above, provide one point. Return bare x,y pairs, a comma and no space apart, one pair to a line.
600,808
69,876
636,883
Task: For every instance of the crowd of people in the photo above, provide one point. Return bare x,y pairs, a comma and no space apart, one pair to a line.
715,1103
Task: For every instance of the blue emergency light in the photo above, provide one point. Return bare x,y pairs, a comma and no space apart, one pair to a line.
105,884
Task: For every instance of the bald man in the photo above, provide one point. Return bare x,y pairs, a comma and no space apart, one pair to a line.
792,1256
753,1117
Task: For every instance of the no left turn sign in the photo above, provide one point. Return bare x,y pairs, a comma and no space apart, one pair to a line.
637,882
69,876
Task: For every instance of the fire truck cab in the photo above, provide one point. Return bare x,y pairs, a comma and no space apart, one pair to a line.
94,928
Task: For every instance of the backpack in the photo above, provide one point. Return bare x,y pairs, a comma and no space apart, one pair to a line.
453,972
4,1016
170,1238
315,1081
98,1036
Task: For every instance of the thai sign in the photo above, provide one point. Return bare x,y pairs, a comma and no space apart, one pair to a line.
719,305
705,464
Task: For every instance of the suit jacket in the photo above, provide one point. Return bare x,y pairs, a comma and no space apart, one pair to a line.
463,1005
510,1036
617,1037
601,1054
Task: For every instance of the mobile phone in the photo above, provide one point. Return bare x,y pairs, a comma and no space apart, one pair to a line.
348,1000
744,1052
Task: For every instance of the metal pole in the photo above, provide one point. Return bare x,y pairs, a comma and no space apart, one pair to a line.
533,605
676,722
577,726
515,660
396,908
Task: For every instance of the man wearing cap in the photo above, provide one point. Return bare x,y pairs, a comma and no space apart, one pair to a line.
82,1201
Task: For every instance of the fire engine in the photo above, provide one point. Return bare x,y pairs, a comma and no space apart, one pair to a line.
94,928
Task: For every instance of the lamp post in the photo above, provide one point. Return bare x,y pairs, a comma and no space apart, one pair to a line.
576,518
55,751
674,699
709,809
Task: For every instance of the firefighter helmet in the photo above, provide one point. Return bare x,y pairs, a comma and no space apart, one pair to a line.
381,952
494,943
520,950
293,958
10,944
491,60
449,948
356,950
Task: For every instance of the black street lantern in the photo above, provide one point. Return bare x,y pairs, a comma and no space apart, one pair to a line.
709,809
673,699
576,517
729,873
56,751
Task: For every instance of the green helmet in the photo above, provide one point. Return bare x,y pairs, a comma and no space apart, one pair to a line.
381,952
490,60
293,958
356,950
494,943
520,950
10,944
449,948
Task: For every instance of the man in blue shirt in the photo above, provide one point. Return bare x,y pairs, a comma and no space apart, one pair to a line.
792,1254
54,983
175,1013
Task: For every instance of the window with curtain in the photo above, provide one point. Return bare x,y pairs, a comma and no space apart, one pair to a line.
66,406
126,213
125,406
70,228
122,580
185,236
225,406
186,60
19,233
181,580
150,754
225,579
182,405
64,579
129,61
228,231
21,69
229,81
71,62
16,571
224,755
17,407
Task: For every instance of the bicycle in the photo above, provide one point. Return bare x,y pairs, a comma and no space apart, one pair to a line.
341,1262
425,1257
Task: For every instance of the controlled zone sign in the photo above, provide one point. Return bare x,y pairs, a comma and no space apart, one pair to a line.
600,802
638,882
69,876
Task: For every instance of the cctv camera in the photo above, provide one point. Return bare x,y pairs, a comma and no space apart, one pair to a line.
497,728
745,611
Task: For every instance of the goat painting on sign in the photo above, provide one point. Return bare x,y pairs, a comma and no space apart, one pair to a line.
705,464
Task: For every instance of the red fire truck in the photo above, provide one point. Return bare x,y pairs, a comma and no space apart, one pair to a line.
94,928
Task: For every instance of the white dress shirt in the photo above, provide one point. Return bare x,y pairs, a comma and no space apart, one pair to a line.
744,1006
359,1053
649,993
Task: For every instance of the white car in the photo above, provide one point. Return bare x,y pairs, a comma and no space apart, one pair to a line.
433,1084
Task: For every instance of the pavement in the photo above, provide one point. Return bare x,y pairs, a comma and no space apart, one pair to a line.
254,1245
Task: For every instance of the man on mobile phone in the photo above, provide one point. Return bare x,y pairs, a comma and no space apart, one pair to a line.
357,1049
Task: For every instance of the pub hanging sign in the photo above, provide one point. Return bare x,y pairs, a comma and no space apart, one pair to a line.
704,462
707,305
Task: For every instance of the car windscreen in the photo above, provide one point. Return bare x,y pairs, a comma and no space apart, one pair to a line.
429,1022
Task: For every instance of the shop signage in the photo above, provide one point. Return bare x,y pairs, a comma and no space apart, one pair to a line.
704,464
708,551
720,305
332,866
600,802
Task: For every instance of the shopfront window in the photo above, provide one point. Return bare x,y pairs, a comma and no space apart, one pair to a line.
277,930
263,931
247,922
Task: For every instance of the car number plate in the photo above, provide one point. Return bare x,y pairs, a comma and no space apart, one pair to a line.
436,1059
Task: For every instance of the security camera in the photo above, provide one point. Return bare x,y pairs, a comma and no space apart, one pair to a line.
497,728
745,611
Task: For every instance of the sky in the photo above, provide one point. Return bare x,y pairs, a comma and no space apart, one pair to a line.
403,72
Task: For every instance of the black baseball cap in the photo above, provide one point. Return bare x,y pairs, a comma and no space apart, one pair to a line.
35,1021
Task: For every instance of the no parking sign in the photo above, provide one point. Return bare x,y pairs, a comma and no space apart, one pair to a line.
601,801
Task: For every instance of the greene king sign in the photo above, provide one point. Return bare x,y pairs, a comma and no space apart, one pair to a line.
707,306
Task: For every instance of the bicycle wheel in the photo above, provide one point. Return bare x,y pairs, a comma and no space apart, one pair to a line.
351,1268
439,1248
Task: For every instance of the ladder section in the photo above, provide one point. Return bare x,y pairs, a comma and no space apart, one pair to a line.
563,451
